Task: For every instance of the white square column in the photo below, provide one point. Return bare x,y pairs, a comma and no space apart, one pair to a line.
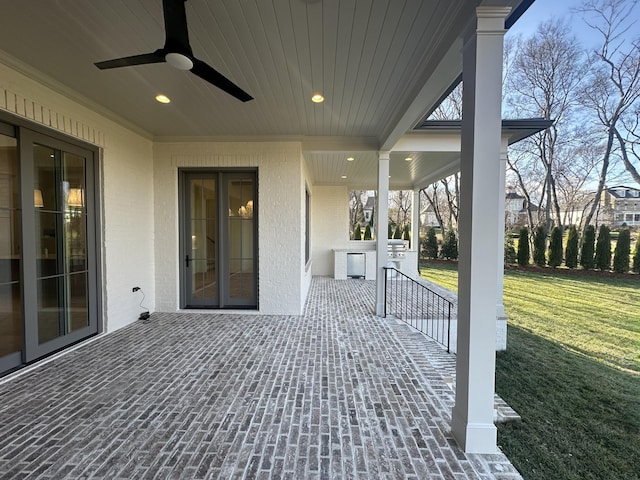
382,222
415,223
479,221
501,316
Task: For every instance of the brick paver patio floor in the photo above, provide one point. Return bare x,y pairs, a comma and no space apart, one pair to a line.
336,393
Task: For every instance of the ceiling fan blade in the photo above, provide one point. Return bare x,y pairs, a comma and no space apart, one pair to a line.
215,78
175,27
145,58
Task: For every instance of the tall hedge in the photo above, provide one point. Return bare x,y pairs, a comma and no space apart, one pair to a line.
430,244
636,256
603,248
622,252
523,247
390,231
588,247
406,233
357,233
510,255
555,247
571,252
449,248
397,235
367,232
539,246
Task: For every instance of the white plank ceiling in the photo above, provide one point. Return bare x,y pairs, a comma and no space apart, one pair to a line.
369,58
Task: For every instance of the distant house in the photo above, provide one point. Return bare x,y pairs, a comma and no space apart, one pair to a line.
368,210
624,205
515,209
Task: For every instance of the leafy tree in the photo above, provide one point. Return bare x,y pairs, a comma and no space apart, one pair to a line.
357,233
622,252
523,247
636,256
603,248
449,248
571,252
430,244
510,256
555,247
539,246
367,232
588,247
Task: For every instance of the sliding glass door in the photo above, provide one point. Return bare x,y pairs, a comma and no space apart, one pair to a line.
11,324
48,247
219,239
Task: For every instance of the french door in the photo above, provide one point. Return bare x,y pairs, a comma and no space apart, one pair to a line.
49,270
218,248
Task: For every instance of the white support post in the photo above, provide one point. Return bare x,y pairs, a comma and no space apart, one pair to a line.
479,220
501,316
415,228
382,223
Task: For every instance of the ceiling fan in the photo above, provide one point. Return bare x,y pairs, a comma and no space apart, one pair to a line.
177,52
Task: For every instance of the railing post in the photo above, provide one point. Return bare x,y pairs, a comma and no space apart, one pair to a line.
385,290
449,329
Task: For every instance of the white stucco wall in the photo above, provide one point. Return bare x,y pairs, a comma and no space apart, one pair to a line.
126,191
281,216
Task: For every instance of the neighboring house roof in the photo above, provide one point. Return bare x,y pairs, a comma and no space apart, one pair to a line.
513,196
371,203
621,191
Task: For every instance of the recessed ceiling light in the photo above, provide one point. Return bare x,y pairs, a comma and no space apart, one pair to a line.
162,98
408,159
317,98
343,177
350,159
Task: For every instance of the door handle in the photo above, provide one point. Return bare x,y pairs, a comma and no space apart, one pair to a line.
187,260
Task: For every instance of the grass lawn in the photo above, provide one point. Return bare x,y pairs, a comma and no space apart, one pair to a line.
572,371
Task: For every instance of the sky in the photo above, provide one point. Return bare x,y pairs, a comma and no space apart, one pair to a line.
542,10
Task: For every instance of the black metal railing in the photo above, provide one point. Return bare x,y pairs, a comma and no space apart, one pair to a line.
417,305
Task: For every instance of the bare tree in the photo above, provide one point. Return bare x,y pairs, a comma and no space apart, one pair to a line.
400,207
544,80
613,89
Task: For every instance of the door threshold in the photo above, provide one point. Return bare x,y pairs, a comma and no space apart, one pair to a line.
224,311
38,363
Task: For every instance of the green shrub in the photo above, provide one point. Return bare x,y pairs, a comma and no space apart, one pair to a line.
390,230
603,249
357,233
539,246
397,234
406,234
523,247
430,244
588,247
449,248
571,252
622,252
510,256
555,247
636,256
367,232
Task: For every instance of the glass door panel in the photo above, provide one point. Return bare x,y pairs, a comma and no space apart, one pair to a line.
200,241
11,324
62,271
240,275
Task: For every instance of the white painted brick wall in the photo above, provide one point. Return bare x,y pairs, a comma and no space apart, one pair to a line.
330,228
127,188
280,229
